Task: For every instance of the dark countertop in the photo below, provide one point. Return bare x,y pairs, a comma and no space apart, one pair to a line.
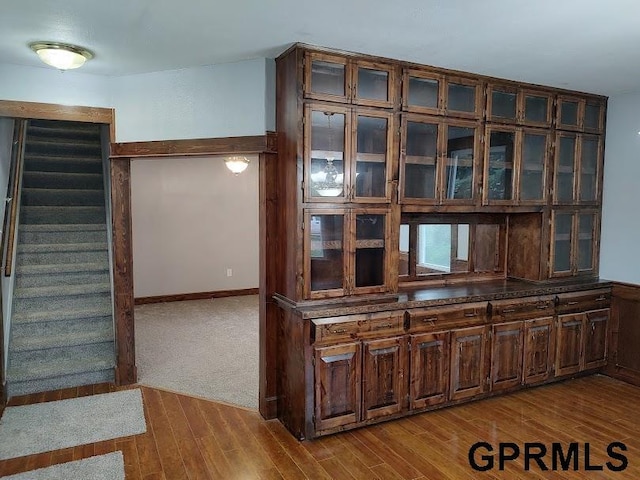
438,295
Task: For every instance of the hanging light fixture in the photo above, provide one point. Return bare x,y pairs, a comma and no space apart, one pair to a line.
328,182
62,56
237,164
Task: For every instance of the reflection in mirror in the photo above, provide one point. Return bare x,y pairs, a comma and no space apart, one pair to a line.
443,248
404,250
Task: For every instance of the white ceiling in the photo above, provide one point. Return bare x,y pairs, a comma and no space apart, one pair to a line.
587,45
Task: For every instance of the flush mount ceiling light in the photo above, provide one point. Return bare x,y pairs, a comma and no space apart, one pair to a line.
237,164
62,56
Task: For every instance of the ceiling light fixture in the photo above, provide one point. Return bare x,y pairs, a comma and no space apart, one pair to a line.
236,164
62,56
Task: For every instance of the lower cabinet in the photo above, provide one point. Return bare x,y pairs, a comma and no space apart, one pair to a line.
430,364
581,341
539,350
506,355
468,358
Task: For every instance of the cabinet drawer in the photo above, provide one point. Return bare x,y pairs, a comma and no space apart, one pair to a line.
583,301
336,329
531,307
429,319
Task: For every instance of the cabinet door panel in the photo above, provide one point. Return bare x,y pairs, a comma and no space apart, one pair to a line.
429,369
538,350
327,77
384,383
468,356
373,84
533,166
569,344
595,354
500,160
372,147
589,169
460,159
325,253
565,169
506,358
419,174
337,372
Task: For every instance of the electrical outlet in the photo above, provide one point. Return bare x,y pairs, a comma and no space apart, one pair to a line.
229,272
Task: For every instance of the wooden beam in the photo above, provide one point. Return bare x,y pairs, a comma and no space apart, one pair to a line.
181,297
196,147
126,371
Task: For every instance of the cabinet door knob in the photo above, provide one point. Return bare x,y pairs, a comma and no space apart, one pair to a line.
384,325
339,330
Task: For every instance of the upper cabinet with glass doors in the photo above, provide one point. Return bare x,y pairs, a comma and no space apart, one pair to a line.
347,154
518,105
584,114
340,79
577,169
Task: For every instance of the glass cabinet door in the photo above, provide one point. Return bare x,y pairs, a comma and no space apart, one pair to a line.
585,244
565,167
325,167
370,268
326,77
562,233
536,108
499,164
459,160
533,166
372,144
568,113
325,254
589,160
373,84
462,97
502,104
593,117
419,159
422,92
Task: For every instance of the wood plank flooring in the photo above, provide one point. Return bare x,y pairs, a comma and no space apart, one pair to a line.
189,438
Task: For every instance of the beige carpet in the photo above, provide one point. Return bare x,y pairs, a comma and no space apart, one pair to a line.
206,348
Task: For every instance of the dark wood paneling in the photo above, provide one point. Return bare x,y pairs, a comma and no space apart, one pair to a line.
569,344
126,371
525,246
468,362
429,383
624,333
179,297
506,355
200,147
539,343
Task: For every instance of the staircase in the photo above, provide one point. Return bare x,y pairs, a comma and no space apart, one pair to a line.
62,323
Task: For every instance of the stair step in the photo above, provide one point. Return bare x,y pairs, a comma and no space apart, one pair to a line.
42,162
28,235
59,315
61,227
58,130
62,247
62,197
66,215
91,267
27,387
70,338
29,305
60,291
69,180
62,278
67,146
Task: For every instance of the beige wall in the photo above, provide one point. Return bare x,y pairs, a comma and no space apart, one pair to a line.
192,220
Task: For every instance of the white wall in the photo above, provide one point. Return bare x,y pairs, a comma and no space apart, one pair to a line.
223,100
193,219
6,140
619,254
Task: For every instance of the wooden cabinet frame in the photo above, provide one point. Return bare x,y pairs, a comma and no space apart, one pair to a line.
430,364
577,169
539,350
521,94
574,242
582,342
477,161
310,57
469,362
507,351
582,103
479,97
424,75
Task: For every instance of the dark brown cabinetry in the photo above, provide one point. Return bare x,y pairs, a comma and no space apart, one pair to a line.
580,113
430,362
539,344
575,235
468,362
506,355
519,105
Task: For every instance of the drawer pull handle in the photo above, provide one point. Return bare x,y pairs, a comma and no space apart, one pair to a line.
471,314
508,310
339,330
542,307
384,325
572,303
429,320
601,298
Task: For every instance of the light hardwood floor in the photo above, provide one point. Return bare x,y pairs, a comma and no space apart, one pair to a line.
189,438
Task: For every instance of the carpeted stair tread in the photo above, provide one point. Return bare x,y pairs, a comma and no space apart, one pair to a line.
74,131
89,337
62,268
36,162
66,366
61,227
62,247
62,197
61,180
49,214
61,290
61,315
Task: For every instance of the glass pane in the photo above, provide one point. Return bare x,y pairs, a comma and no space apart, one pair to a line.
404,250
585,241
327,154
461,98
371,157
565,169
369,250
534,148
562,250
459,162
373,84
327,251
589,169
327,77
503,104
501,156
568,113
535,109
442,248
423,92
420,160
592,116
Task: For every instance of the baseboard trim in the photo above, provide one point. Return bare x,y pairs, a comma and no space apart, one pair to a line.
195,296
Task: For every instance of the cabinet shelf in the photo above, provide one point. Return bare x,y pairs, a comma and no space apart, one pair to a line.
324,154
370,243
326,245
419,160
371,157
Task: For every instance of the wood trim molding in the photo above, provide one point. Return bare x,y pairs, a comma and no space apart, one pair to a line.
196,147
51,111
195,296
